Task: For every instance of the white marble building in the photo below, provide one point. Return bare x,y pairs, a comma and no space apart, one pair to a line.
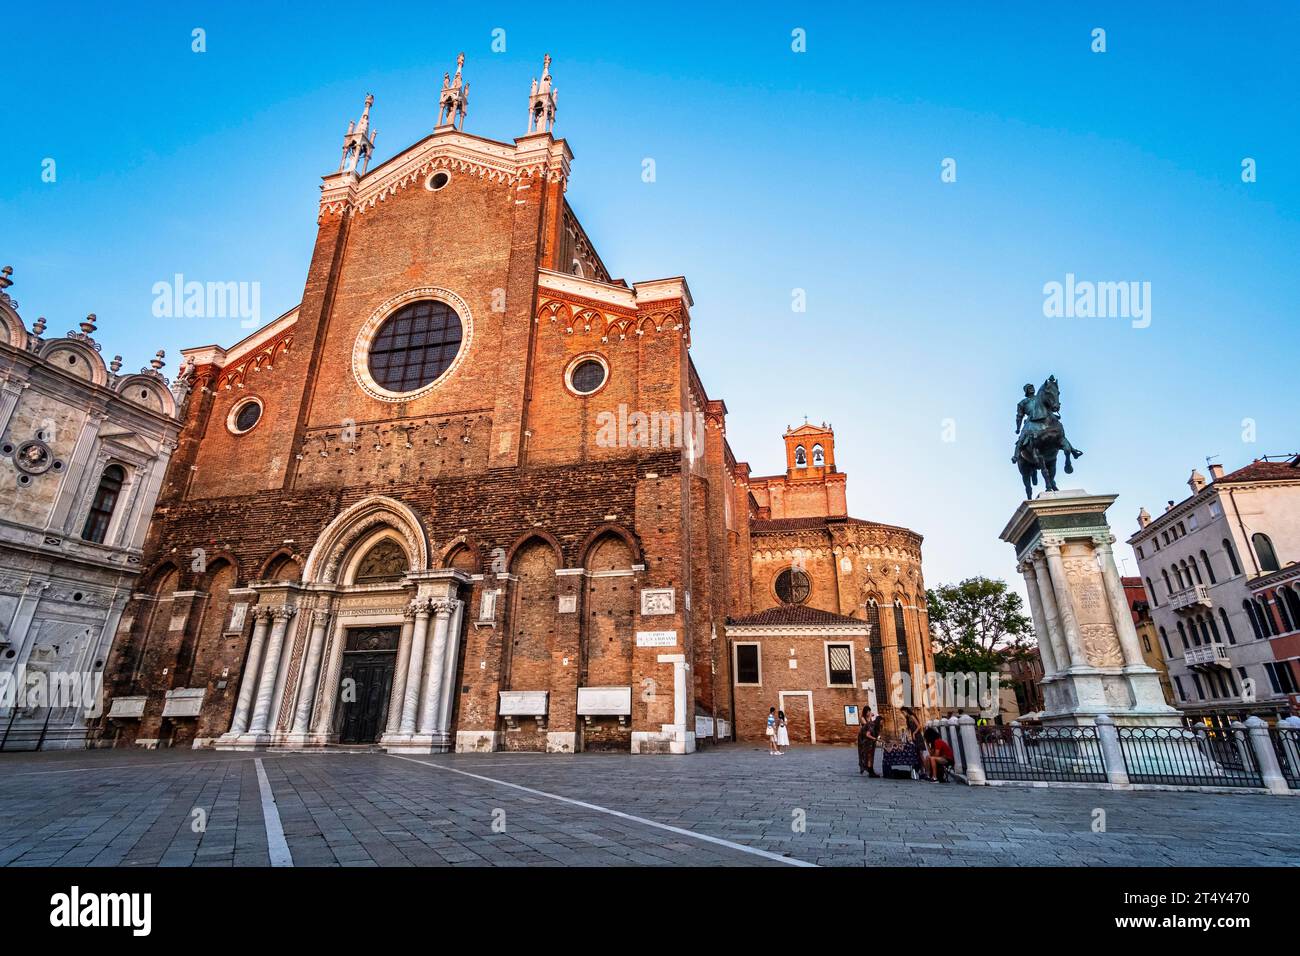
83,450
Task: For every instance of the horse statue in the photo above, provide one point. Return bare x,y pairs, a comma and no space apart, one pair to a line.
1042,437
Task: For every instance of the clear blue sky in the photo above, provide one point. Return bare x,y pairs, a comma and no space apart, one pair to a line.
776,170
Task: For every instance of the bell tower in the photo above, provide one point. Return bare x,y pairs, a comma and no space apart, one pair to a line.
809,452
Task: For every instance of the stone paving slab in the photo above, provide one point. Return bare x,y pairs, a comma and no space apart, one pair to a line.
138,809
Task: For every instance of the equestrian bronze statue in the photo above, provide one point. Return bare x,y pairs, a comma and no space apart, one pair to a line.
1041,437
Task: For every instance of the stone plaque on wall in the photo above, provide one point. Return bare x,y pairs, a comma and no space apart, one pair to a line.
568,603
658,601
238,613
605,701
523,703
656,638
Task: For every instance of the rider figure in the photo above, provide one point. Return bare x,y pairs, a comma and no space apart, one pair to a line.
1024,410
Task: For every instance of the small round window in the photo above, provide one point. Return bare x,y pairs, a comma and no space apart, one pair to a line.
245,415
587,376
438,180
793,586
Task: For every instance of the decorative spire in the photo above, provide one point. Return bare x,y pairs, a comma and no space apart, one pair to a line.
88,326
541,102
38,327
115,366
156,363
5,281
357,146
453,104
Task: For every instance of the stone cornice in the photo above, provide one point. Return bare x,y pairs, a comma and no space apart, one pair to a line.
798,630
537,157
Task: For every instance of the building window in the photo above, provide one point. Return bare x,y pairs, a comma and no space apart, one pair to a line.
1178,683
1139,552
1264,551
819,456
839,665
1232,557
101,508
1146,643
415,345
1279,678
877,650
587,375
1169,589
1209,568
1182,636
1191,521
792,586
800,457
437,181
1280,603
1266,621
1200,690
1152,591
748,670
244,415
1292,598
1227,625
1216,510
900,635
1196,570
1249,608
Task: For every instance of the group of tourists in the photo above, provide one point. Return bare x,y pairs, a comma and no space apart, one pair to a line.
916,753
777,734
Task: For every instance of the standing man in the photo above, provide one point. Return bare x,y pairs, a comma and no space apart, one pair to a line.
868,737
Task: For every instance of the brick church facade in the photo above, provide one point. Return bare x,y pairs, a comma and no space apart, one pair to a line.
471,494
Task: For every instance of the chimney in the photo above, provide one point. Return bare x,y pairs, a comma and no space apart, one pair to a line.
1196,482
1144,518
1216,472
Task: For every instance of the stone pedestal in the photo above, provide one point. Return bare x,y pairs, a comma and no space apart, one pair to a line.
1092,661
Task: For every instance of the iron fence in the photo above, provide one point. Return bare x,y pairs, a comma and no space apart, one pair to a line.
1059,754
1197,756
1286,744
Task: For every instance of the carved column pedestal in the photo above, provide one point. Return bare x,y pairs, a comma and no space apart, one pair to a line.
1092,662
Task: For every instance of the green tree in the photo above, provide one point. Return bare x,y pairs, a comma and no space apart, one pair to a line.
977,624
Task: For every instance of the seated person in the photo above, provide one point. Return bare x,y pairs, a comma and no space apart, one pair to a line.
938,756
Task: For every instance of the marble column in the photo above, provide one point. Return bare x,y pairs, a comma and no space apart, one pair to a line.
252,670
401,666
419,637
449,669
266,686
1128,639
310,672
1065,604
433,671
324,719
1047,597
1026,568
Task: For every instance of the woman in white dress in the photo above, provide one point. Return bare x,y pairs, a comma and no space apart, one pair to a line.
782,735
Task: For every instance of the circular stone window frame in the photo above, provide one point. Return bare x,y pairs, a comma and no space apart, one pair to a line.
776,593
370,329
428,183
238,407
572,367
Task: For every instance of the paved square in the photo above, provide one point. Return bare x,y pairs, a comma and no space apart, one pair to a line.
732,805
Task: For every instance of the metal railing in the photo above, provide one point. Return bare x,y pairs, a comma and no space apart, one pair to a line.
1061,754
1286,744
1197,756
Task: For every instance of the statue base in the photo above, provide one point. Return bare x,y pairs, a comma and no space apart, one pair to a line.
1092,662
